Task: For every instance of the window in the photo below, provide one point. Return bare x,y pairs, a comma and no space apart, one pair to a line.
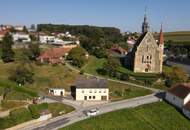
95,91
90,91
99,91
82,91
104,91
90,97
94,97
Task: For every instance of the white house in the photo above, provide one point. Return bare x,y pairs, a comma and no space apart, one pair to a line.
92,90
179,96
21,37
46,39
19,28
57,91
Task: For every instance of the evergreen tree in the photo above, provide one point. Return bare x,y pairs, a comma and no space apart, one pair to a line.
7,52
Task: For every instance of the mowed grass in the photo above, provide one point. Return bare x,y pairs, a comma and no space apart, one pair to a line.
93,64
155,116
119,91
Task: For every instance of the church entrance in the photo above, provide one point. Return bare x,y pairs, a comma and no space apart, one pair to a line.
146,70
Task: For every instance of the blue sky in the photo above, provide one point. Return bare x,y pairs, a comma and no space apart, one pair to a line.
124,14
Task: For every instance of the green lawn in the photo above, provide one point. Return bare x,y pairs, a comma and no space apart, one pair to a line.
120,91
155,116
58,109
94,64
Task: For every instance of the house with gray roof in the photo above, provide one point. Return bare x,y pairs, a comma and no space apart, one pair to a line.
91,89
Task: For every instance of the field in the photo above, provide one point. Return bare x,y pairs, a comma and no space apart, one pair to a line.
177,36
155,116
120,91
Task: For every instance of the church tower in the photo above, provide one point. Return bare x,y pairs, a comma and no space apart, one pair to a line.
161,47
145,26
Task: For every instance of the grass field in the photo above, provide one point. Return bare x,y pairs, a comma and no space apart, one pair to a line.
120,91
94,64
155,116
176,36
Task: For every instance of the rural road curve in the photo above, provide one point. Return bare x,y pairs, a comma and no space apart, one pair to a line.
78,115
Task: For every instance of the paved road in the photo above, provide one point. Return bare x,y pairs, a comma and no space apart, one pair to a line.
118,81
62,121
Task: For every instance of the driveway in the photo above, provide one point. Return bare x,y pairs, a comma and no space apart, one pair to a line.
78,115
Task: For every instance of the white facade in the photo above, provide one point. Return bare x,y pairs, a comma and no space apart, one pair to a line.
92,94
21,37
46,39
57,91
19,28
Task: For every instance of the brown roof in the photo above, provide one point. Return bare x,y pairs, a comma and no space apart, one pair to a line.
187,106
180,90
91,83
55,53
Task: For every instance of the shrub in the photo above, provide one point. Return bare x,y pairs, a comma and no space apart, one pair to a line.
20,115
34,111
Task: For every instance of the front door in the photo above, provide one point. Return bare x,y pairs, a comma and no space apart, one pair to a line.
104,98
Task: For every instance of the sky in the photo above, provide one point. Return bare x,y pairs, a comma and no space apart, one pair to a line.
124,14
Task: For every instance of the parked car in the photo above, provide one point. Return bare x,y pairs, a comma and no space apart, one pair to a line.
92,112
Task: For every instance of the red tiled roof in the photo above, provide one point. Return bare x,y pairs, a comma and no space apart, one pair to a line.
118,49
180,90
55,53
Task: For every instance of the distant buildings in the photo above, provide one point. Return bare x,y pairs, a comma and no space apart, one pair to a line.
19,28
46,39
92,90
179,96
21,37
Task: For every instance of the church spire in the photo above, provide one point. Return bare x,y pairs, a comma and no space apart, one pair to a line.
161,38
145,25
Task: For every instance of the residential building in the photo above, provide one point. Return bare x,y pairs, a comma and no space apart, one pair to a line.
55,55
146,55
46,39
179,96
19,28
91,90
21,37
57,91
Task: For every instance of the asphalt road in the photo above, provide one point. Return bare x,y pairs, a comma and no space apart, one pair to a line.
78,115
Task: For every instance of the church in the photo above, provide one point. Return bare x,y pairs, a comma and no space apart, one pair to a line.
147,54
